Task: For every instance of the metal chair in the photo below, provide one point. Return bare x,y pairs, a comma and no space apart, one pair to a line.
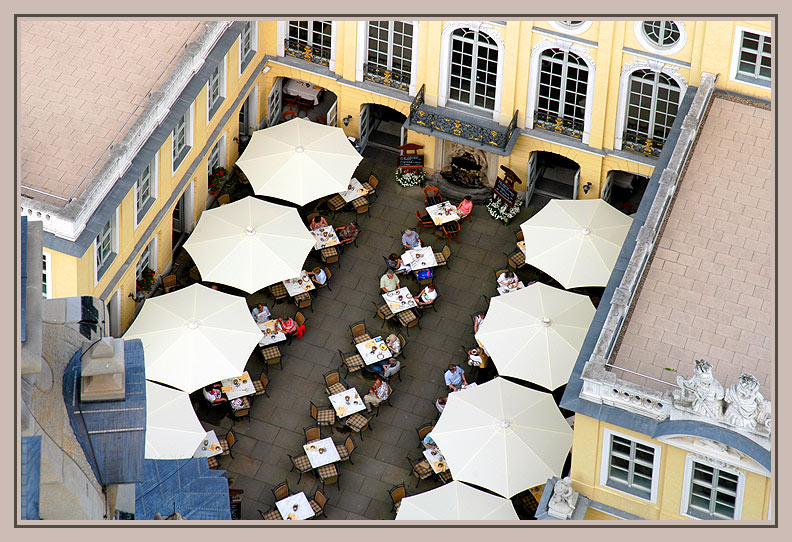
451,229
281,491
396,494
423,430
359,332
333,382
424,221
312,433
169,283
352,361
301,463
432,196
421,469
345,450
323,416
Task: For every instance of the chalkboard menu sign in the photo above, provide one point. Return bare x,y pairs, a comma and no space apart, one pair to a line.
505,192
411,161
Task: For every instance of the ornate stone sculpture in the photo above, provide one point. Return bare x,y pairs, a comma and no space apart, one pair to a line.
702,392
563,501
746,406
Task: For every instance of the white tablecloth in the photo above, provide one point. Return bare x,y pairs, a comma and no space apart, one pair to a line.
294,287
381,353
436,460
325,237
397,305
286,507
354,192
303,89
268,338
420,258
340,405
238,387
209,446
505,290
317,458
439,214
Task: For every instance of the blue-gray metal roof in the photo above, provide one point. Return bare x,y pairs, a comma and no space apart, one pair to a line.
112,433
186,486
23,278
31,476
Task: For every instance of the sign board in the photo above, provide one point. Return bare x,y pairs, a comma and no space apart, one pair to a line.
411,161
505,192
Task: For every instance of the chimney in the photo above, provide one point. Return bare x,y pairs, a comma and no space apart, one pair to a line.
103,376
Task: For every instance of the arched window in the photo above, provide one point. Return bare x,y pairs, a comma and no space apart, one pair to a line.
474,69
563,82
651,109
663,34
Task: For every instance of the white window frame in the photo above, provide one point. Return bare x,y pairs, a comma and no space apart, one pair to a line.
571,30
114,244
362,54
153,167
188,139
253,26
331,62
688,478
151,253
390,45
649,45
222,90
605,464
220,147
46,270
739,31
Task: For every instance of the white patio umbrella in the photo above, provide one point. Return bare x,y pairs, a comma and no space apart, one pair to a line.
576,242
299,161
194,336
172,428
249,244
503,436
456,501
536,333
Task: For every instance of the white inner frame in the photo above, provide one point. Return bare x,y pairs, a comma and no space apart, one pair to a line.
605,464
253,26
153,185
310,40
188,138
46,270
571,30
151,249
735,57
361,54
222,87
687,481
647,44
220,147
114,244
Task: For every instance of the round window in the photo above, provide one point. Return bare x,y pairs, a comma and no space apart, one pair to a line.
572,24
662,34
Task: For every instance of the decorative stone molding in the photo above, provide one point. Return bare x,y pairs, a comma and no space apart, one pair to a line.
746,406
702,393
656,66
565,45
563,500
492,31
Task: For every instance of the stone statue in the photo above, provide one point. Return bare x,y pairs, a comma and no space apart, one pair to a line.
563,501
746,406
702,392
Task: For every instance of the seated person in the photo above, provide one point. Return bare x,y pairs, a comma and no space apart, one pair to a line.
386,368
429,442
378,392
318,222
440,404
508,280
474,357
455,377
410,240
389,281
394,344
213,394
318,276
397,264
427,296
477,321
260,313
288,326
347,234
465,207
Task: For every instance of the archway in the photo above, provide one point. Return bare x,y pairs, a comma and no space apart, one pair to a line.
291,98
624,190
380,127
551,176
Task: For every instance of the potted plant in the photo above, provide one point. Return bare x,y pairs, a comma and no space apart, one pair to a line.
146,282
499,210
409,177
216,179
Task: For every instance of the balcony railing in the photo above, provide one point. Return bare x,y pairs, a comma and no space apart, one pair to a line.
494,138
643,145
309,53
553,123
387,78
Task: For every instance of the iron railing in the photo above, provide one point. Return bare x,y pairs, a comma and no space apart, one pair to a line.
559,125
641,144
388,78
309,53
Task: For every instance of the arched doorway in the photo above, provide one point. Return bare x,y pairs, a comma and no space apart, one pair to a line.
380,127
551,176
624,190
291,98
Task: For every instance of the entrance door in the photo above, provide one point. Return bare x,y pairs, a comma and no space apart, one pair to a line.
607,187
576,184
332,114
244,113
533,174
275,102
113,315
178,221
364,127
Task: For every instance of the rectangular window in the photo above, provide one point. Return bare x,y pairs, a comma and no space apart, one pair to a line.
630,466
389,59
755,57
712,493
246,45
46,276
310,40
215,90
104,249
144,262
182,139
144,193
214,158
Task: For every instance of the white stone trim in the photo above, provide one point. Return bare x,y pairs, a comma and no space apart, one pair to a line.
223,86
253,44
561,27
605,461
735,56
649,46
716,451
413,90
624,85
283,31
116,242
533,79
333,40
47,270
189,137
720,465
153,188
362,49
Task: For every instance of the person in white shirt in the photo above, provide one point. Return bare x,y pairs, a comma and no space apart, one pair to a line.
427,296
508,280
455,377
318,275
474,357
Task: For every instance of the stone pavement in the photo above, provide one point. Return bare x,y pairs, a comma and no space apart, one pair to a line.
275,429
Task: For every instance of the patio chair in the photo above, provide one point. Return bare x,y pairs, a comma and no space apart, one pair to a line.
361,205
271,355
261,384
328,474
424,221
371,185
318,503
272,515
225,199
359,332
301,463
352,361
323,416
516,259
519,235
444,477
333,382
390,394
421,469
327,282
303,301
278,292
443,256
388,266
242,412
336,203
408,319
213,462
451,229
396,494
423,430
169,283
227,444
329,255
345,450
281,491
403,343
384,312
432,196
312,433
358,423
310,217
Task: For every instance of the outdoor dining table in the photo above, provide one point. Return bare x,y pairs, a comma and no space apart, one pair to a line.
299,285
272,333
239,386
321,452
420,258
443,212
373,350
355,191
325,237
395,304
345,407
505,290
521,246
303,89
295,507
209,446
436,460
469,385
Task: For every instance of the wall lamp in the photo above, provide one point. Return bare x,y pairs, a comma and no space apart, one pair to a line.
346,120
587,187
